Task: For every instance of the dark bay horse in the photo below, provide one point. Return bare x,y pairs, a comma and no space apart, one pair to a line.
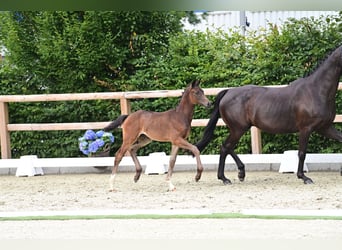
141,127
304,106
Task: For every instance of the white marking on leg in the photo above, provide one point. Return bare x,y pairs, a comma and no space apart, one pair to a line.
111,182
171,186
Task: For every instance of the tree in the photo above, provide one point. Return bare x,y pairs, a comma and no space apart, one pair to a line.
68,52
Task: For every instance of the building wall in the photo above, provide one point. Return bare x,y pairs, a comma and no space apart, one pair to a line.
226,20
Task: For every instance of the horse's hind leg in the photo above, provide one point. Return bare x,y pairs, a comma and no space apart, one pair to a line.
142,141
118,157
172,161
332,133
228,148
127,142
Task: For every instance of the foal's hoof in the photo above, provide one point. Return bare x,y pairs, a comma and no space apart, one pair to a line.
197,178
136,178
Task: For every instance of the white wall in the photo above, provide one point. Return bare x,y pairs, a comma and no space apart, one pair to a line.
226,20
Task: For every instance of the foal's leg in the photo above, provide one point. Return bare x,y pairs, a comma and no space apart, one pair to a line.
303,142
182,143
142,141
173,157
118,157
126,144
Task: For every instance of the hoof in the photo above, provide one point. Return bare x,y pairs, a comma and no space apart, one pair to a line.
137,176
305,179
242,176
172,189
224,180
227,182
308,181
197,178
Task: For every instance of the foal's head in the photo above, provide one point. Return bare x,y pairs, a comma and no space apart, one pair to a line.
196,94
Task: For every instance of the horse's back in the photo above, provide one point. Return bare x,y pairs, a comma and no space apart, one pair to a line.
263,107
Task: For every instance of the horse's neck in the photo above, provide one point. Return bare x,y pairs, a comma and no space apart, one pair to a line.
328,75
185,107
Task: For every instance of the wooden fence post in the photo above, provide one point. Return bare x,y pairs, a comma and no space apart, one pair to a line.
256,140
4,133
125,106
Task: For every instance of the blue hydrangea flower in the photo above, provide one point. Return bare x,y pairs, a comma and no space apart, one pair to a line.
93,147
85,151
90,135
99,133
108,136
83,145
100,142
92,142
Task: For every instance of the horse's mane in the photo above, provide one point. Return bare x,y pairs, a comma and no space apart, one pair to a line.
181,97
321,61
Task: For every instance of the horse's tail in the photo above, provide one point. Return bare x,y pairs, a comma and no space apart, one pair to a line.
116,123
209,130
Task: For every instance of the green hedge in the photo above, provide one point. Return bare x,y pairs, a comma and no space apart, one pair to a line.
275,57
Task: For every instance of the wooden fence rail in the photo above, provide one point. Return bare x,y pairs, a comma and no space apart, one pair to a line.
124,97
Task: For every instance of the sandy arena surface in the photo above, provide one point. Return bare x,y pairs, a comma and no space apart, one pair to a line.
260,190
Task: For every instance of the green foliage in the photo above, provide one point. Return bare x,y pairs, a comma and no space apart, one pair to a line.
88,51
276,57
68,52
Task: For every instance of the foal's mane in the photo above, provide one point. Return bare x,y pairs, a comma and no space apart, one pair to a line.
321,61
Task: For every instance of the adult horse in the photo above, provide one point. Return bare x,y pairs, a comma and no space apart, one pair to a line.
304,106
141,127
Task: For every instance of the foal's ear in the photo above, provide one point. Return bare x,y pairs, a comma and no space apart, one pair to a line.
195,83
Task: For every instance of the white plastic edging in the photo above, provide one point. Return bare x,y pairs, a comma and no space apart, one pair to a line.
183,162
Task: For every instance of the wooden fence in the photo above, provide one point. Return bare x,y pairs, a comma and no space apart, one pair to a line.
124,97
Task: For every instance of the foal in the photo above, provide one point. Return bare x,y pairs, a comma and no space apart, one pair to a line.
141,127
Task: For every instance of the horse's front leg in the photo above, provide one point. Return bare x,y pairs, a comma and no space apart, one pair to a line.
303,142
172,161
199,163
182,143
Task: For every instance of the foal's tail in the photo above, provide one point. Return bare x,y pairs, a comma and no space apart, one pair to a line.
209,130
116,123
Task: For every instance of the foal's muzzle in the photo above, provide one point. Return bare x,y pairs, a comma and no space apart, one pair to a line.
208,105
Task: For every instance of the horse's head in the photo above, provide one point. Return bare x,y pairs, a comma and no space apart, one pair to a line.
196,94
